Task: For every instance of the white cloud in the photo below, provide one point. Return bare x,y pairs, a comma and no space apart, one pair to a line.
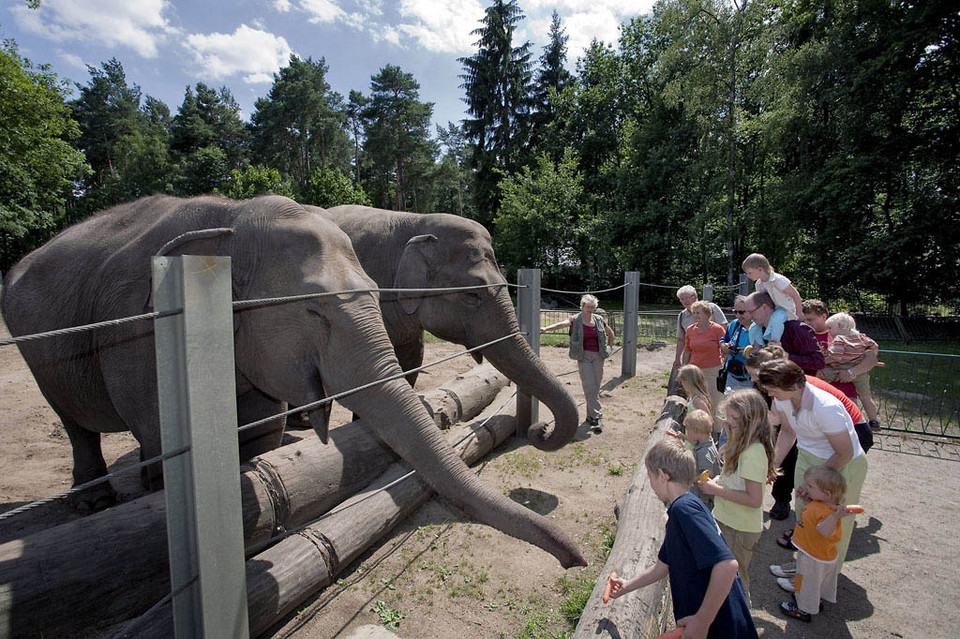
139,25
253,54
74,60
282,6
582,28
441,26
323,10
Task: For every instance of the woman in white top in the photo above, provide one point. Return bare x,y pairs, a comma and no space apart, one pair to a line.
823,431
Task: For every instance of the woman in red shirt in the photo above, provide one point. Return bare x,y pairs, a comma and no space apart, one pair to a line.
702,348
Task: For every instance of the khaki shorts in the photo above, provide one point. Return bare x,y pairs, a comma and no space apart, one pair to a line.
861,382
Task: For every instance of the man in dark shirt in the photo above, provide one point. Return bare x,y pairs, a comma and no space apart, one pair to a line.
799,340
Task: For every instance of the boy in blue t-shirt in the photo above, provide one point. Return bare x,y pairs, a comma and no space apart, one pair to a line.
708,597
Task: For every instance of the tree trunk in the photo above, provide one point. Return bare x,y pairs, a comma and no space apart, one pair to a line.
104,567
640,527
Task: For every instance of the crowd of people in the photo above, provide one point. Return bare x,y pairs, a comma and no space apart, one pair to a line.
772,398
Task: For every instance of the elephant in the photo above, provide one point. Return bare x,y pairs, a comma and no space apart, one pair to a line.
412,250
105,380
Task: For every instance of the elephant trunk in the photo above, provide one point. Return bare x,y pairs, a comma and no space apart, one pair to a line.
395,413
515,359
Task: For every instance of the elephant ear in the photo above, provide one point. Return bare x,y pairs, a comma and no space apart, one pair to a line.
200,242
421,260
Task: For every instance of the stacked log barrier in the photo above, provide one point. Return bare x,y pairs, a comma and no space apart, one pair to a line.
103,568
640,528
301,565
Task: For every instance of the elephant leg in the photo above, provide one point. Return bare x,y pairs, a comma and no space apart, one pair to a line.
253,406
88,464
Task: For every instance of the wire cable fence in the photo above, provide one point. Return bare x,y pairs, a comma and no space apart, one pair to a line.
238,306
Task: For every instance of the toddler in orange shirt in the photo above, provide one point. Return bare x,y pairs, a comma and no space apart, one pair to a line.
816,536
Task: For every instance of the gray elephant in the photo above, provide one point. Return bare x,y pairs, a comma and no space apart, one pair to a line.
105,380
410,250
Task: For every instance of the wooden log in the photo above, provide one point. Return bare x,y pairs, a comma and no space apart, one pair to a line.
464,397
113,564
282,576
639,536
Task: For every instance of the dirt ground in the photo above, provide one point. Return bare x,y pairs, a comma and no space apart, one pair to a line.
439,575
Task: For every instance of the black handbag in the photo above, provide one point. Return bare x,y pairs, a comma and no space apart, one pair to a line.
722,379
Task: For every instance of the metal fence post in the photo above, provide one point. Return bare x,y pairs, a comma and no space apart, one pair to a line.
708,292
631,305
197,398
528,315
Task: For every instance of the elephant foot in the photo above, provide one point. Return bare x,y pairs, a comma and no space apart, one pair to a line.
94,499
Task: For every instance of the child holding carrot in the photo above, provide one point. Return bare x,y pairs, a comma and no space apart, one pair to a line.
816,536
708,598
698,425
748,461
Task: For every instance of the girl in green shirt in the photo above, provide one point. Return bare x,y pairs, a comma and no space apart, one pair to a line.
748,461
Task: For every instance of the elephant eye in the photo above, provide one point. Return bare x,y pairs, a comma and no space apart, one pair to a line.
473,298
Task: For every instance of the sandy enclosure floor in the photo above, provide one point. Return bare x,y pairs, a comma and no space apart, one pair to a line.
451,577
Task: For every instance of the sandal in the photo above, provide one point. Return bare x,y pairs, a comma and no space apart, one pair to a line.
786,540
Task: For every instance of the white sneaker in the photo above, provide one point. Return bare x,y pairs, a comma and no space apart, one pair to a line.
786,584
784,570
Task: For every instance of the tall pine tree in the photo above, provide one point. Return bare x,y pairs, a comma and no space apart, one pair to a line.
498,83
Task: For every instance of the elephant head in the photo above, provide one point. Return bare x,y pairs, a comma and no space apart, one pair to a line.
404,250
295,352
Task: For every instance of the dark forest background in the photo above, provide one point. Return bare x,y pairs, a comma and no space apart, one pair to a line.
821,133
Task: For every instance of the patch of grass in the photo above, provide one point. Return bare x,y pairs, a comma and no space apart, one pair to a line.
576,593
616,471
538,626
520,462
389,617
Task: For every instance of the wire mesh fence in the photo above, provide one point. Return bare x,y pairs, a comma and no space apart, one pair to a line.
652,325
918,393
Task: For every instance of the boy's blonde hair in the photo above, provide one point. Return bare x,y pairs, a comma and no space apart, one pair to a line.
698,421
693,376
673,458
756,260
829,480
841,324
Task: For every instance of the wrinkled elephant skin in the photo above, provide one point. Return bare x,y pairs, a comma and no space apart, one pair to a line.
409,250
105,380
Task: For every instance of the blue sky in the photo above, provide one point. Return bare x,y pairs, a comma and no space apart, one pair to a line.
164,45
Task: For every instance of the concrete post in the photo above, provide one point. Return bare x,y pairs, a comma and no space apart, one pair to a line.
528,315
708,292
631,305
198,408
744,284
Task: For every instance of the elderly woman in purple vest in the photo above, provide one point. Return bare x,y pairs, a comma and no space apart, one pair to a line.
591,341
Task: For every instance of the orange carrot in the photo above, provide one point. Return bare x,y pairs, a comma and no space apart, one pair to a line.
609,587
673,433
676,633
856,509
